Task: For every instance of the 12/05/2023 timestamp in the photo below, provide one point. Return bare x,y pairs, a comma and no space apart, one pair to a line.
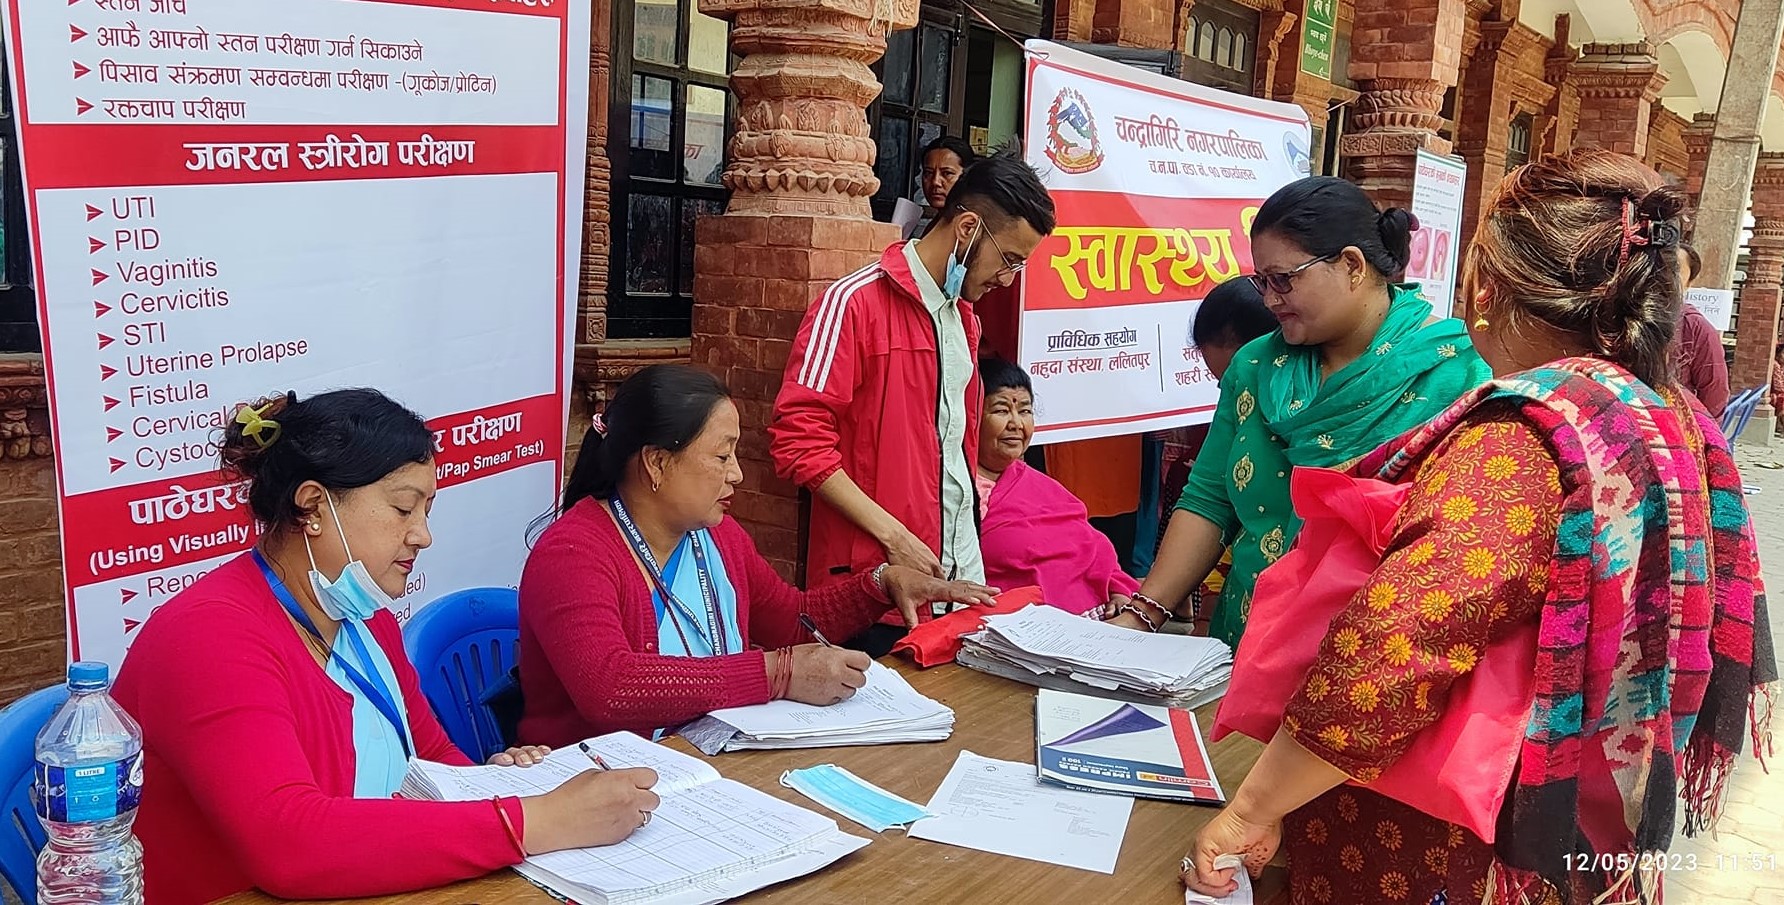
1622,862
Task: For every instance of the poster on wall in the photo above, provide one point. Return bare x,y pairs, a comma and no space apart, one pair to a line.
1436,244
235,198
1155,181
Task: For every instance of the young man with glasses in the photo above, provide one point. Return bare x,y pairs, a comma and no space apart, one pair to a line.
878,409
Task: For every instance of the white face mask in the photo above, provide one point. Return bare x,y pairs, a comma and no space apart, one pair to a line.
353,595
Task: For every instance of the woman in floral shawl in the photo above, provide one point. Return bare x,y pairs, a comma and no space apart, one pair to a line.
1584,494
1357,361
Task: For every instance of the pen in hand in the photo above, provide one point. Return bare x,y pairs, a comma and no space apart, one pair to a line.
812,627
599,763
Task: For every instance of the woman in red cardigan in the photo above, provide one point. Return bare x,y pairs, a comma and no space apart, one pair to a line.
278,710
644,606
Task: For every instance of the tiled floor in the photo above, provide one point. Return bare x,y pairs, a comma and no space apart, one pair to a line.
1743,861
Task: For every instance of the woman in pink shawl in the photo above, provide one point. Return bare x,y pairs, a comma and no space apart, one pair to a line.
1032,530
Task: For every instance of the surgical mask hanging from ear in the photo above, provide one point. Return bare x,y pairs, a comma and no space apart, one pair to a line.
955,278
353,595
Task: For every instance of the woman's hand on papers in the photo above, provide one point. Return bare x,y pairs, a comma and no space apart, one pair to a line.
826,675
524,756
1111,613
910,590
595,807
1230,832
904,549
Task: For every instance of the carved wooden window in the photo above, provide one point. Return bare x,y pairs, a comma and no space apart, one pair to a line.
1219,42
1517,147
18,303
670,116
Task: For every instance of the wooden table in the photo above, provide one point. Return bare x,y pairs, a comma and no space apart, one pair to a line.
993,717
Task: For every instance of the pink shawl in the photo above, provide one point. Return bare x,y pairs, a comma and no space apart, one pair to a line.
1036,533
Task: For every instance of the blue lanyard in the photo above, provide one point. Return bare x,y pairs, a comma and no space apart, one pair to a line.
372,688
715,624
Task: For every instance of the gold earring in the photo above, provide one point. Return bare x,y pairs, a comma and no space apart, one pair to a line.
1480,322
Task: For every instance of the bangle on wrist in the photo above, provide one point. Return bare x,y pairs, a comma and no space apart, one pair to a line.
1164,612
508,824
879,580
1140,614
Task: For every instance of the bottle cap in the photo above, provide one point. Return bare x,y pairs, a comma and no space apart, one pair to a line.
88,675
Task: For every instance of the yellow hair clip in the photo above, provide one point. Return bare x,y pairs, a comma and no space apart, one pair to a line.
255,426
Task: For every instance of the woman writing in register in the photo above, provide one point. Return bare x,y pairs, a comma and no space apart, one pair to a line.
278,710
644,606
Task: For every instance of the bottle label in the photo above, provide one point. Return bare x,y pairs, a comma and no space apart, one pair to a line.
90,792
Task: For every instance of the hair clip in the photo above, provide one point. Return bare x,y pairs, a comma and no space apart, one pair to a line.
256,426
598,424
1664,234
1631,235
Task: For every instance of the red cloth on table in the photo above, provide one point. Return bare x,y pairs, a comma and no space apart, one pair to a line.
248,761
937,641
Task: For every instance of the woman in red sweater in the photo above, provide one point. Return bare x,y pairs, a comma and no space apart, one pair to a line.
278,710
644,606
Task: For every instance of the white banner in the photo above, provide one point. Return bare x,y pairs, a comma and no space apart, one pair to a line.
1155,181
1436,245
1716,304
235,199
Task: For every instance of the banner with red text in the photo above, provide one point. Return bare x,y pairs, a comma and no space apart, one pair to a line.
1156,181
233,198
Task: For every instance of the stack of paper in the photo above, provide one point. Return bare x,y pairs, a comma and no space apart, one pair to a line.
710,839
1047,646
885,711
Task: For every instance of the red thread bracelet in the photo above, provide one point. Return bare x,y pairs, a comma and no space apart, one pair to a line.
508,824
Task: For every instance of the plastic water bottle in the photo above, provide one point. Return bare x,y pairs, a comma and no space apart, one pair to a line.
88,784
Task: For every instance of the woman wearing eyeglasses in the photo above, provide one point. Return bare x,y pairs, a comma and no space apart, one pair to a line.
1357,361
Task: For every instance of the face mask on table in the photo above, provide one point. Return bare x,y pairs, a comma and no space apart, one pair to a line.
854,797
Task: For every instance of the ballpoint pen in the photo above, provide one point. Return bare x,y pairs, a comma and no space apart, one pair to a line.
599,763
806,623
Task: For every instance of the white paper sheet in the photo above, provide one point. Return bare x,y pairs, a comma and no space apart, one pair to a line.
999,806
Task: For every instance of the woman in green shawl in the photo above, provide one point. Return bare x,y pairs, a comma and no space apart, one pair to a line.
1358,360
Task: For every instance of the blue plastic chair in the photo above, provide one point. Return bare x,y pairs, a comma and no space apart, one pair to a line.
461,645
21,836
1740,411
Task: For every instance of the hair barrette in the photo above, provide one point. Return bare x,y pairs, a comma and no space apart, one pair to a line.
256,426
598,424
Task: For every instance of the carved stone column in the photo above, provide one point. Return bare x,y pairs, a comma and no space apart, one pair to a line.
1404,56
1617,86
800,175
1756,332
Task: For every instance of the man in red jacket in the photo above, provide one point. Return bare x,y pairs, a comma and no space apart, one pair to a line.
1698,355
878,410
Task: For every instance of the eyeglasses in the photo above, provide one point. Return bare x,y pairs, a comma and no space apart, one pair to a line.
1283,283
1008,268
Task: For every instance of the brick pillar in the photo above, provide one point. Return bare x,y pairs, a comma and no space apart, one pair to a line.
800,175
1617,86
1555,132
33,632
1697,147
1072,20
1756,333
1404,55
1667,152
1135,23
1483,136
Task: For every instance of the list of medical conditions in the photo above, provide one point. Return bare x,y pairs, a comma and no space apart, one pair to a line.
238,198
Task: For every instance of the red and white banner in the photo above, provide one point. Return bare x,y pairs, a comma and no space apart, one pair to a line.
1156,181
232,198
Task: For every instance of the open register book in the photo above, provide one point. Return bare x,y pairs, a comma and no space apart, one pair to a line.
710,840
